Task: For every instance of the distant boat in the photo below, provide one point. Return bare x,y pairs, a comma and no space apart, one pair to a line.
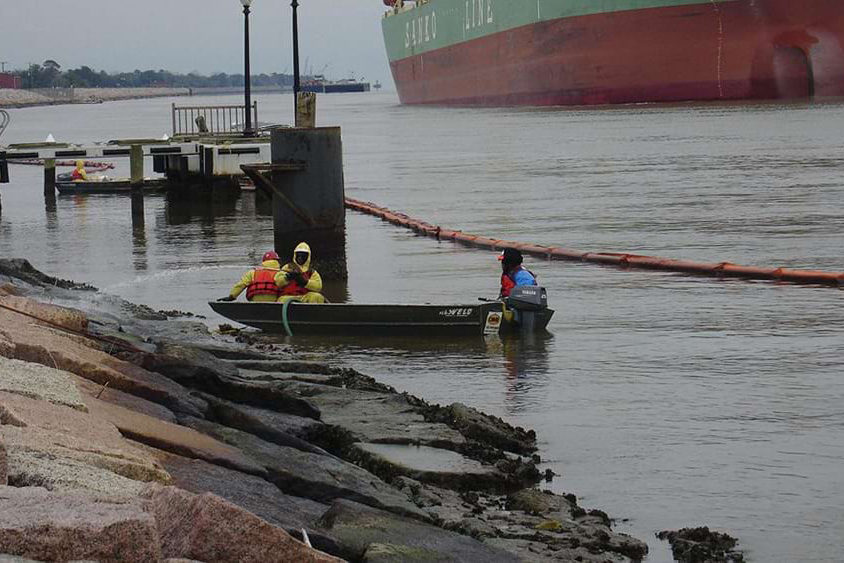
319,85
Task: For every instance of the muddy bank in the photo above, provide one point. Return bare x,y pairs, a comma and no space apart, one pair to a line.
58,96
171,428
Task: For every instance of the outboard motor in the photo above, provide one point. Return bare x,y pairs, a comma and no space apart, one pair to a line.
526,300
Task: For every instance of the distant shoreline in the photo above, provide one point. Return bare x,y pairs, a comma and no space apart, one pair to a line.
60,96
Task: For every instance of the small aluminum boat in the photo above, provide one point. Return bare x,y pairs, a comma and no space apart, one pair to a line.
351,318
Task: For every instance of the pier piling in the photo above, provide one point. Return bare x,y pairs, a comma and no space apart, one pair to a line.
309,204
136,165
49,175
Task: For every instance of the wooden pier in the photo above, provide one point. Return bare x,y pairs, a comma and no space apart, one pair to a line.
201,162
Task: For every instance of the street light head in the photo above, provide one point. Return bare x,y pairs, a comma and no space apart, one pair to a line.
246,3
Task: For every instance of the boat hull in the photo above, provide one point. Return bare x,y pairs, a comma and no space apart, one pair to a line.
106,187
510,53
346,318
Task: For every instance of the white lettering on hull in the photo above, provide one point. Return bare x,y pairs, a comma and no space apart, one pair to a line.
421,30
478,14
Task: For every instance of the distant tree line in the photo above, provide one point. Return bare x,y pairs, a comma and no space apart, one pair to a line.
50,75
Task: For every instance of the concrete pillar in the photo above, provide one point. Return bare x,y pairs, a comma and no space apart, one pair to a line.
306,109
136,165
311,204
49,175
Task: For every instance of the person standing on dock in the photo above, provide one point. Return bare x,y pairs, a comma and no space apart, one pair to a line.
302,283
512,272
261,284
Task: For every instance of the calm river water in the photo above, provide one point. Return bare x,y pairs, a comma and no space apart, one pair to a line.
665,400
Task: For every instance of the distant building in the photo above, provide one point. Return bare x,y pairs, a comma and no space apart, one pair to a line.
9,80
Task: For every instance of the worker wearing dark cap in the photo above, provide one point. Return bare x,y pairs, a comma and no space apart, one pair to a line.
512,272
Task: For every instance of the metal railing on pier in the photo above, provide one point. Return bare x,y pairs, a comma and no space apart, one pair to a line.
211,120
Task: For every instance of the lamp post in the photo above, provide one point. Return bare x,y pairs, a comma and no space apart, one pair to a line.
295,5
247,78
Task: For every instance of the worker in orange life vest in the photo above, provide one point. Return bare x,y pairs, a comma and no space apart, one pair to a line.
512,272
79,174
302,283
261,284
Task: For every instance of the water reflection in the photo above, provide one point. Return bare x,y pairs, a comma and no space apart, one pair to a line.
526,365
139,237
183,208
50,212
517,365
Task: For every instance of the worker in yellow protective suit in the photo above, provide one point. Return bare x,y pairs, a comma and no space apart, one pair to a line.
302,283
261,284
79,174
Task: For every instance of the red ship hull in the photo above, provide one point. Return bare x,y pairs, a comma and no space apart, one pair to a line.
747,49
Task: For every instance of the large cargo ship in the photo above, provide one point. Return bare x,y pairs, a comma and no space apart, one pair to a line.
573,52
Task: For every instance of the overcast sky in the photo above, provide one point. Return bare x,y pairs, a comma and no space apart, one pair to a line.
205,36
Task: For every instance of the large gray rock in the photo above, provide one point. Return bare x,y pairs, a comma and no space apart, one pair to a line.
370,416
429,465
317,477
279,428
208,528
174,438
35,342
44,526
40,382
122,399
21,269
256,495
702,545
377,535
28,468
201,370
37,430
487,429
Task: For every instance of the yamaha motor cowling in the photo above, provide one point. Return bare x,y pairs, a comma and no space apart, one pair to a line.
526,300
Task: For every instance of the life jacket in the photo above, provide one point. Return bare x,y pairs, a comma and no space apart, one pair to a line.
508,280
263,283
76,174
294,288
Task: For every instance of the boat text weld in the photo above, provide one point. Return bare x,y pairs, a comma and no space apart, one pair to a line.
458,312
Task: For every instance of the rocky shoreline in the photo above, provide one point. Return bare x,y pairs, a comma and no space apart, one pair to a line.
48,97
129,435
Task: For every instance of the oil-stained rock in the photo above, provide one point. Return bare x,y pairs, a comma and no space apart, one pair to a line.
394,538
317,477
201,370
702,545
279,428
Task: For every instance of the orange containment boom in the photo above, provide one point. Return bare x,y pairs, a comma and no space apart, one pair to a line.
716,269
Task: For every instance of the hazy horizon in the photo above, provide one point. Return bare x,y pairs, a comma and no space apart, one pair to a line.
336,38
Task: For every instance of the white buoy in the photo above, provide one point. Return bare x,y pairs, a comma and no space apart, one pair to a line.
50,139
